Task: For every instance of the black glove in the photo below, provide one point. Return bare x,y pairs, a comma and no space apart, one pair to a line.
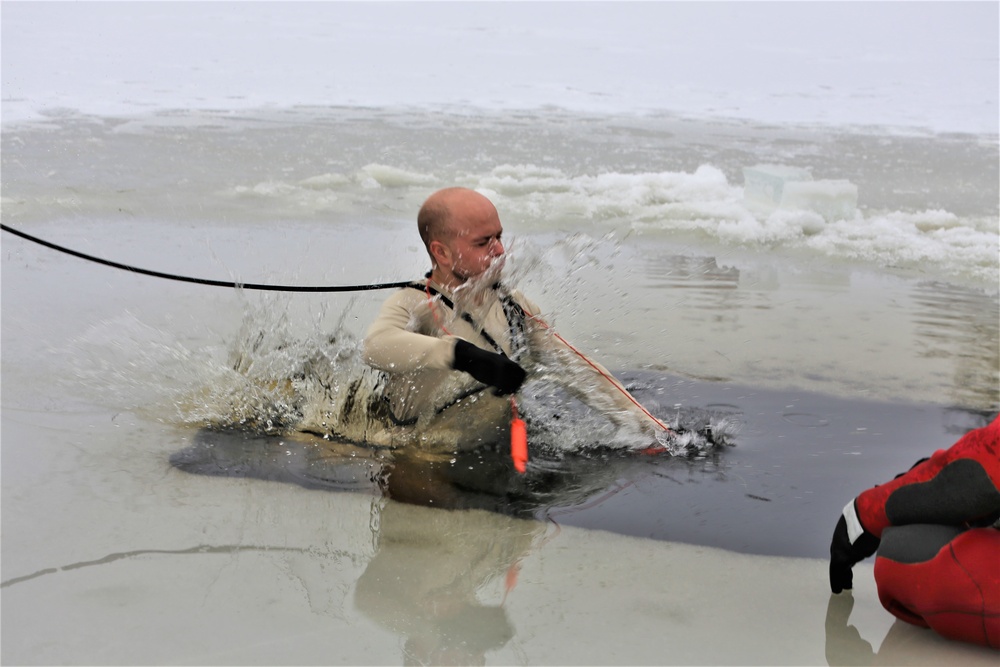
489,368
844,555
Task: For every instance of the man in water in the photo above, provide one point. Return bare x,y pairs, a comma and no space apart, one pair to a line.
444,340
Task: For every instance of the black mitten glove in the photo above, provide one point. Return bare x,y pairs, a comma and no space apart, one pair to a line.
845,554
489,368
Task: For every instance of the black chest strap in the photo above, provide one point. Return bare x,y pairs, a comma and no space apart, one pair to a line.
512,311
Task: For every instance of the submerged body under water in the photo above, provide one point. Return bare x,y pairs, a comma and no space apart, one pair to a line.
331,393
328,427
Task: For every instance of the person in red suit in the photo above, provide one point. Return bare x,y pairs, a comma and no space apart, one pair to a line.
934,530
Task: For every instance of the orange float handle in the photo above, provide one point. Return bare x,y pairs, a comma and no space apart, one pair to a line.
518,440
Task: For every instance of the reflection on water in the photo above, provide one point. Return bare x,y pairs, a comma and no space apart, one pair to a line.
844,644
448,530
689,272
904,644
705,288
963,325
428,574
430,566
833,324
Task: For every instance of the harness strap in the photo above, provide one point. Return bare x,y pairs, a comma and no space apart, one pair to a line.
512,311
515,319
413,420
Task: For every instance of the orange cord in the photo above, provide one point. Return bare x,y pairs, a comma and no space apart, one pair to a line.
600,372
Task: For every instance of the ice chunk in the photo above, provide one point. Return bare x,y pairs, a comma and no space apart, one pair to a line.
765,183
770,187
832,199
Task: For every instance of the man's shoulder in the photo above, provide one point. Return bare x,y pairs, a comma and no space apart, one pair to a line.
524,302
410,295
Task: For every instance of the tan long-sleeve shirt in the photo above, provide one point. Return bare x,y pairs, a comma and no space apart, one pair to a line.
413,341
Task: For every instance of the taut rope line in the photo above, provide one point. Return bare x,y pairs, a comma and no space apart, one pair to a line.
204,281
519,443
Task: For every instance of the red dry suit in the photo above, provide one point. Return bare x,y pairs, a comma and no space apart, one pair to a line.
934,532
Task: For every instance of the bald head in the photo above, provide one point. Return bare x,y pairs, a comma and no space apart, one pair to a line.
447,212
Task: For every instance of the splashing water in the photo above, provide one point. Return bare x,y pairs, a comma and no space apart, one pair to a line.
272,379
275,382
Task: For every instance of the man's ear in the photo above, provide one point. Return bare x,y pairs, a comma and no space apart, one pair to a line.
440,253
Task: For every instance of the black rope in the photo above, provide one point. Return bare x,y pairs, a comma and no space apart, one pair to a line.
204,281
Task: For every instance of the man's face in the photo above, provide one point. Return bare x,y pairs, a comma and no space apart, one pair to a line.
475,240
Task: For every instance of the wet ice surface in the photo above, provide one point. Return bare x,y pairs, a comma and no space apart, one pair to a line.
275,571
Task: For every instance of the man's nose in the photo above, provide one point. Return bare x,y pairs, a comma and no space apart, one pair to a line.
496,248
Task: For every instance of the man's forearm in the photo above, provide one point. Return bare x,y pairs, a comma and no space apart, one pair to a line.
400,351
